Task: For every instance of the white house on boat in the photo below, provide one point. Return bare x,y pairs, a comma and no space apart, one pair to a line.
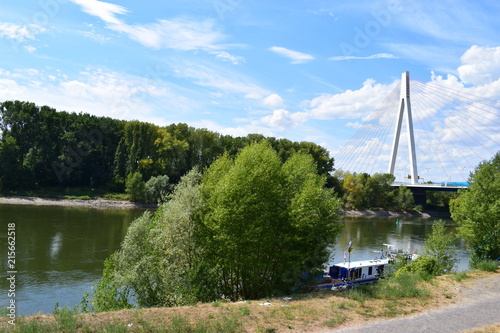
358,271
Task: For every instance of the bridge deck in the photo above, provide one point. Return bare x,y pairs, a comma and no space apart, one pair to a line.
445,186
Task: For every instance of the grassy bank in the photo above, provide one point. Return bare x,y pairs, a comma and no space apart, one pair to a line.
310,312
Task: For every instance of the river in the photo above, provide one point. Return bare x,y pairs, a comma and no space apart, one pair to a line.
60,250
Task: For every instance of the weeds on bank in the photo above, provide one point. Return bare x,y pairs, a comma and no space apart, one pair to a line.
67,320
487,265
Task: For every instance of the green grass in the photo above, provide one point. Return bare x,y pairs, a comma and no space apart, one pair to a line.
336,320
460,276
67,320
487,265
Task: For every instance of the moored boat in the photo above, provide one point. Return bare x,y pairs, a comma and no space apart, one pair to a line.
349,273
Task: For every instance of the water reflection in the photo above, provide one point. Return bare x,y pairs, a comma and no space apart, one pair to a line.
59,251
55,246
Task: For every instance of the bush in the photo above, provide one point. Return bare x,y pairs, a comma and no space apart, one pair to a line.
403,285
422,265
487,265
155,188
440,245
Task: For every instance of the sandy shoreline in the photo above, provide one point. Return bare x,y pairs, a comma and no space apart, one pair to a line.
103,203
93,203
383,213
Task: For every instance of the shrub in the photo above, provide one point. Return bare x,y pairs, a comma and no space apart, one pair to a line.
403,285
439,245
487,265
422,265
155,188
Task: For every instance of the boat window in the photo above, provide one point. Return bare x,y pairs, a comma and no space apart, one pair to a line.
370,270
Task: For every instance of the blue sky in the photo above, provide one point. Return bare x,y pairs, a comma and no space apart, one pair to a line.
303,70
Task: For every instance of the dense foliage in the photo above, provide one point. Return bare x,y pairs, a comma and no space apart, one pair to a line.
477,211
42,148
440,245
364,191
249,227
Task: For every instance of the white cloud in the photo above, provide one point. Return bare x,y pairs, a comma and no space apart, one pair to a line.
294,56
97,92
480,65
218,78
350,104
30,48
104,10
20,32
283,119
179,33
273,101
226,56
373,56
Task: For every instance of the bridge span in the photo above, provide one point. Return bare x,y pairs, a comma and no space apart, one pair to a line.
420,190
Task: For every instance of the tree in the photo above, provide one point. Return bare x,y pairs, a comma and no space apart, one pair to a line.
155,188
402,198
158,256
440,246
266,222
135,186
252,228
477,211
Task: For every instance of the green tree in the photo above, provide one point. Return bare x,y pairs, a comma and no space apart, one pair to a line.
265,222
477,211
158,256
402,198
250,229
155,188
135,186
440,245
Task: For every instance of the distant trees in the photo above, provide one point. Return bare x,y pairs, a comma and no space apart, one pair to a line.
40,147
251,226
477,211
362,191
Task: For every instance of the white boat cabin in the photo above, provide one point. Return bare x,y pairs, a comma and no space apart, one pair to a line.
361,271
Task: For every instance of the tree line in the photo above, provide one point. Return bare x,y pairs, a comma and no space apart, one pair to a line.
41,147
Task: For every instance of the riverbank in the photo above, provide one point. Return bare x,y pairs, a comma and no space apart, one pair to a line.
91,203
124,204
384,213
314,312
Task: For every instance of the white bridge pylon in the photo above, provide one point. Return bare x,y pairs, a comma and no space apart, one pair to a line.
405,107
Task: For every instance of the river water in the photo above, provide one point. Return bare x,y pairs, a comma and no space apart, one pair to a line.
60,250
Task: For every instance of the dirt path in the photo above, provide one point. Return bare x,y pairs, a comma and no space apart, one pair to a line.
479,307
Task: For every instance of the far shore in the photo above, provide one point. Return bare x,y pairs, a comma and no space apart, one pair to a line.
92,203
123,204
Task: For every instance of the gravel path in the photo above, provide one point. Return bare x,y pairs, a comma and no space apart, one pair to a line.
480,307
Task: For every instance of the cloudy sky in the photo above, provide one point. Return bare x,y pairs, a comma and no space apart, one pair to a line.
303,70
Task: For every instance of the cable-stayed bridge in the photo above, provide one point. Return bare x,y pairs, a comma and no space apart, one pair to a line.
425,132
